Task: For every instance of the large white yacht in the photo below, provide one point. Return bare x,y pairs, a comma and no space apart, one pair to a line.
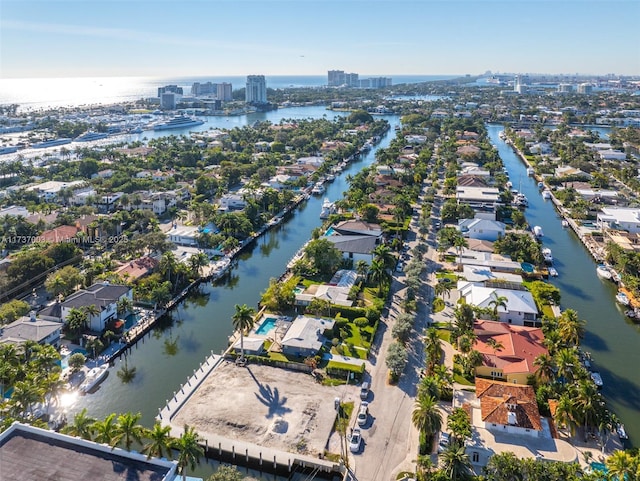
178,122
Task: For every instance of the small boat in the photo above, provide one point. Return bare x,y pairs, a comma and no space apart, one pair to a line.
597,379
553,272
94,377
547,256
328,208
521,200
318,188
622,298
540,185
537,231
565,223
331,178
546,194
530,171
622,433
604,272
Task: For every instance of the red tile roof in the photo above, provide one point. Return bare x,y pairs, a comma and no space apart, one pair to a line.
520,346
498,399
60,234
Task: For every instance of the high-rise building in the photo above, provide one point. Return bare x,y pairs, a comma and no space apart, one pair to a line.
224,90
169,88
207,88
168,100
585,89
336,78
256,90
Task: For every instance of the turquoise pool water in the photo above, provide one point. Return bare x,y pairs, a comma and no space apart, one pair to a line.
131,321
267,325
330,231
529,268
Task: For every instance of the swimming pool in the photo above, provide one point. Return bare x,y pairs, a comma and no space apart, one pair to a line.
528,268
64,362
267,325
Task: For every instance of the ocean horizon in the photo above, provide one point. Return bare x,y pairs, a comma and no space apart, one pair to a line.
42,93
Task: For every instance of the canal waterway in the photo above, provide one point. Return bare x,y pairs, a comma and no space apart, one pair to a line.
611,338
202,323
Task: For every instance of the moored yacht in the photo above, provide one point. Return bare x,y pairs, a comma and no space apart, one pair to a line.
328,208
622,298
179,122
94,377
604,272
546,194
318,188
537,231
89,136
547,256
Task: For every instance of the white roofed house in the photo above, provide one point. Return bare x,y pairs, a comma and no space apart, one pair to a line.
305,337
231,201
483,229
518,306
627,219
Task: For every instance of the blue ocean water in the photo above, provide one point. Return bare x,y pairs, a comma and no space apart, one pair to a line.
41,93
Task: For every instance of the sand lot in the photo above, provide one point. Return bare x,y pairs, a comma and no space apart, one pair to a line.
264,405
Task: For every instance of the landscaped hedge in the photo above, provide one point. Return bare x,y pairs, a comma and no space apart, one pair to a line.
352,313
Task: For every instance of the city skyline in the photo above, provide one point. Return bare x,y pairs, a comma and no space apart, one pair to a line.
379,37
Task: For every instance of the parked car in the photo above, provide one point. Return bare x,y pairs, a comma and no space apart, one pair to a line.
364,390
355,440
363,414
443,442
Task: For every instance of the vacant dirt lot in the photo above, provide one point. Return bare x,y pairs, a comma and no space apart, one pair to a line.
264,405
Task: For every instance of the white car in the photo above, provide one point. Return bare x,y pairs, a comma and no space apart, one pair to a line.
363,414
355,440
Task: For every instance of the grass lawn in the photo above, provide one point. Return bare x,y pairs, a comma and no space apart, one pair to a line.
278,356
344,366
445,335
446,274
459,378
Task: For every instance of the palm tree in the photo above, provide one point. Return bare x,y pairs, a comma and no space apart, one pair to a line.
379,274
242,321
82,425
426,416
383,254
106,431
565,415
546,368
159,441
76,321
432,348
197,262
571,328
621,466
497,302
460,243
168,264
124,305
455,462
443,288
189,450
128,430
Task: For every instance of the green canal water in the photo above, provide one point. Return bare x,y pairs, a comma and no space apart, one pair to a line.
611,338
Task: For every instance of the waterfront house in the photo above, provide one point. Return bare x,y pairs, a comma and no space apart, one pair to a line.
184,235
357,227
354,247
231,201
495,262
137,268
28,453
103,295
626,219
30,328
481,274
508,408
336,291
478,195
305,337
482,229
512,360
520,306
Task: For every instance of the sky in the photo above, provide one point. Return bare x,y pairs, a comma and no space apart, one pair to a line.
97,38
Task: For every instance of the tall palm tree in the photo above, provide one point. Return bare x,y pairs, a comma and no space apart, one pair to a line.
106,431
496,302
432,348
76,321
571,328
378,274
546,368
159,441
189,450
82,426
459,242
384,254
455,462
426,416
124,305
242,321
565,415
128,430
443,288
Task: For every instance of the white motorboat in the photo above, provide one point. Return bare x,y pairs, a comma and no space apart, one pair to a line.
318,189
94,377
521,200
597,379
565,223
604,272
622,433
530,171
328,208
179,122
537,231
540,185
547,256
622,298
553,272
90,136
546,194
